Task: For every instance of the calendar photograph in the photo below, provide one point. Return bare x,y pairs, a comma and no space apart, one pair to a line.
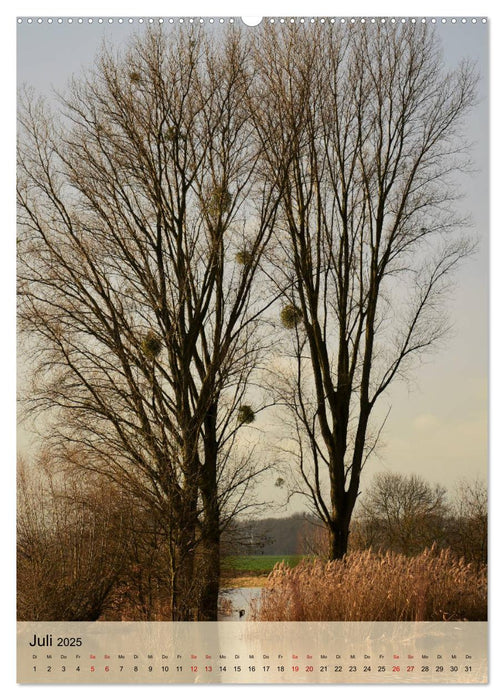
253,339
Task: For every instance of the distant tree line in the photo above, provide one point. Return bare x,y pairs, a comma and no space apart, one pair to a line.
398,513
267,535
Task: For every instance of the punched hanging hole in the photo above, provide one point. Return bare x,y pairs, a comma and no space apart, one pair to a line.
251,21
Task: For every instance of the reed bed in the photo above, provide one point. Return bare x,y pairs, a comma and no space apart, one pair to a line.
366,586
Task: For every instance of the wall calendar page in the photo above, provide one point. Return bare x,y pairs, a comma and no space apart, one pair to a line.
252,266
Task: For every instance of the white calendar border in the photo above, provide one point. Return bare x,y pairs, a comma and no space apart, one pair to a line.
227,8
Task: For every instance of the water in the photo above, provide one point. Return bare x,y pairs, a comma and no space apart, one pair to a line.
240,600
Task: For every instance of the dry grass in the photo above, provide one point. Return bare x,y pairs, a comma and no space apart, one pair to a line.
225,607
239,581
364,586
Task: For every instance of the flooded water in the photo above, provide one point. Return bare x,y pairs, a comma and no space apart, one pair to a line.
236,602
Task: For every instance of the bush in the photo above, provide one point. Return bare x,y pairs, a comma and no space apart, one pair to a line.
70,550
87,551
365,586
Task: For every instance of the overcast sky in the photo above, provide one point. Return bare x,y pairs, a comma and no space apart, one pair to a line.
438,422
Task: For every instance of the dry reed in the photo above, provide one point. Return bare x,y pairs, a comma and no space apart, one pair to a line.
365,586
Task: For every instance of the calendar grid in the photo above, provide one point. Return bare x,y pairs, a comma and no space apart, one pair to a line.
252,652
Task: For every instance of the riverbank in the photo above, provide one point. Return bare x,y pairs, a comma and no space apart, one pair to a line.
230,580
238,604
251,571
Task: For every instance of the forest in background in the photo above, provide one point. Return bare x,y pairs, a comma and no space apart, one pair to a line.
397,513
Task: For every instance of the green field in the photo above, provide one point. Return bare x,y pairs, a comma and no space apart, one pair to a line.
258,564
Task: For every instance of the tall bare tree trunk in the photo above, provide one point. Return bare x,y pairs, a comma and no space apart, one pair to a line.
210,538
210,546
338,539
366,203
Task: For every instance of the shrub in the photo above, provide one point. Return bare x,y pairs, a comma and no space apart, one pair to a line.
86,551
70,549
365,586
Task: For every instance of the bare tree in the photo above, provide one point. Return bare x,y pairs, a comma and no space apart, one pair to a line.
401,513
142,220
365,124
469,536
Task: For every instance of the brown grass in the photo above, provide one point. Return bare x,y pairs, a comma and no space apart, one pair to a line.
365,586
225,607
228,580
